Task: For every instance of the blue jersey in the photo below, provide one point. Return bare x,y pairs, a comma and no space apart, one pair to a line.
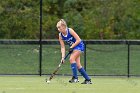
70,40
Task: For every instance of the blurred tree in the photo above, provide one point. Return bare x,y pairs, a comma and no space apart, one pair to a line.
91,19
19,19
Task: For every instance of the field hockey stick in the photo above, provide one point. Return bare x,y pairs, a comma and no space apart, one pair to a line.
56,70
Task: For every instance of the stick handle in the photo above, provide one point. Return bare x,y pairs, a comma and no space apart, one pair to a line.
66,56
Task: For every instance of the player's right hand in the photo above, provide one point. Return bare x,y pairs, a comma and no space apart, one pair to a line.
62,60
70,50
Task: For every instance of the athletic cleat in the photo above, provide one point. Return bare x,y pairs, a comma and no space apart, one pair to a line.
73,80
87,82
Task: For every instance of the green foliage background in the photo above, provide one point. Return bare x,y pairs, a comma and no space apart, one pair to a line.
91,19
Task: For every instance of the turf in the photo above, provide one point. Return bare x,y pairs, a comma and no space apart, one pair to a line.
36,84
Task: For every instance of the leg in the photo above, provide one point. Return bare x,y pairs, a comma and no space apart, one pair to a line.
81,69
73,57
78,62
83,72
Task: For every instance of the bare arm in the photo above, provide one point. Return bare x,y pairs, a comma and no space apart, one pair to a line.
62,46
74,34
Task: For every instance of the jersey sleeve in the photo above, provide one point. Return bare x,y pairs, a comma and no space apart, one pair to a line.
60,34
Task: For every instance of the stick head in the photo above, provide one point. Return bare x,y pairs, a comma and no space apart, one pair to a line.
48,81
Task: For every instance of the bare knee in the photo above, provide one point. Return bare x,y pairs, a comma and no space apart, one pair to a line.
71,60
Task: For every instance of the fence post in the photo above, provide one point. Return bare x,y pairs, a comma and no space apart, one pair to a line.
128,65
85,56
40,41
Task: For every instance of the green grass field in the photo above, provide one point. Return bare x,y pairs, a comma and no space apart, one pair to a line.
36,84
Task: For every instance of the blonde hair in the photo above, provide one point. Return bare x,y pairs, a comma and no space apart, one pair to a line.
63,22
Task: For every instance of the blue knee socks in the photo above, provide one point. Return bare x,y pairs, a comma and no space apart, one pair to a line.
83,73
74,69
